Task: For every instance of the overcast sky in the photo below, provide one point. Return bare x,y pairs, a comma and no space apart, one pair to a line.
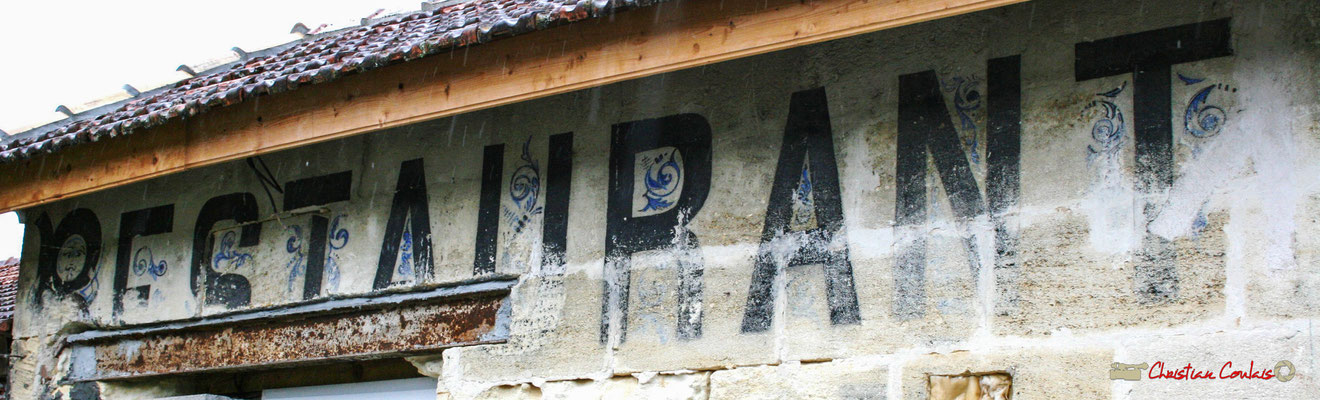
11,236
69,52
72,52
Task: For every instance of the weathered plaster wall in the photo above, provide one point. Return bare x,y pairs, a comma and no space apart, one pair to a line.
1087,246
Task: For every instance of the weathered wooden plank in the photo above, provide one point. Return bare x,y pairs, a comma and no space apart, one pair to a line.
648,41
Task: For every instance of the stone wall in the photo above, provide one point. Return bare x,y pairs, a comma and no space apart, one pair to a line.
1041,191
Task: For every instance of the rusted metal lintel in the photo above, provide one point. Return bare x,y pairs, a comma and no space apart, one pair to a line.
358,328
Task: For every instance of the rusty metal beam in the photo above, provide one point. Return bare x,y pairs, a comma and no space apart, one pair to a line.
373,326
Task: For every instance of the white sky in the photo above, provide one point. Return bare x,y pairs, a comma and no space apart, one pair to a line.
72,52
11,236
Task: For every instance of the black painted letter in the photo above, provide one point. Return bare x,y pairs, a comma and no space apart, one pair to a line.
144,222
317,191
82,224
488,216
231,290
925,125
559,178
626,233
1003,146
409,205
808,138
1148,56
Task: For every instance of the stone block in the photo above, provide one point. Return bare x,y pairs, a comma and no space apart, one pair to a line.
554,334
1279,284
1037,373
1064,281
949,313
662,386
1249,349
652,341
823,380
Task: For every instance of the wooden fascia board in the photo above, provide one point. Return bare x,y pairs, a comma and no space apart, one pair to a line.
581,55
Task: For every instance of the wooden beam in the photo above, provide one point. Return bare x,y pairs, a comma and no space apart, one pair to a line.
653,40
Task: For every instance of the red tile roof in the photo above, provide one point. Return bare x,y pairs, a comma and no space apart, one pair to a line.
8,292
318,59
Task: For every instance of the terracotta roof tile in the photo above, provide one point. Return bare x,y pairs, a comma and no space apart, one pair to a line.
319,59
8,292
